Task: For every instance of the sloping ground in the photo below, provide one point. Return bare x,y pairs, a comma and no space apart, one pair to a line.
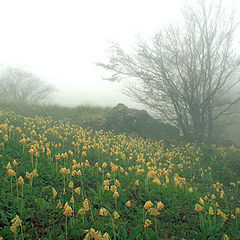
125,187
120,119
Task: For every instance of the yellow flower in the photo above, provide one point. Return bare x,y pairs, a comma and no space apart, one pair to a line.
105,236
16,222
20,181
198,208
237,211
68,211
225,237
54,192
79,173
70,185
150,174
15,163
201,201
156,181
213,197
86,205
103,212
64,191
104,165
8,166
190,189
81,211
29,175
72,200
160,205
117,183
153,211
222,194
167,180
116,195
63,171
11,173
148,205
106,182
77,190
147,223
116,215
59,205
137,183
5,137
211,212
34,172
113,188
74,162
128,203
66,204
114,168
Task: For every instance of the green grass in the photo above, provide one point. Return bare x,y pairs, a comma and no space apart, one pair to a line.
206,169
58,112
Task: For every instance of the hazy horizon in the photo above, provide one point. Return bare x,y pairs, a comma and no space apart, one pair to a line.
60,41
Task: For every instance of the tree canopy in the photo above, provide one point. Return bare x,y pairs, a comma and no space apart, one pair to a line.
20,87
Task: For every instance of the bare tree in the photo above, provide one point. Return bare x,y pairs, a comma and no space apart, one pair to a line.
187,74
20,87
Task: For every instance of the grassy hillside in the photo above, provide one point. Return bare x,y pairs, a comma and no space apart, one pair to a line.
59,181
57,112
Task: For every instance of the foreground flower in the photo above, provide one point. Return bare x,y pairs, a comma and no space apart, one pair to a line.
211,212
16,222
97,235
77,190
198,208
68,211
148,205
86,205
8,166
15,163
201,201
103,212
153,212
20,181
116,215
81,211
59,205
237,211
160,206
116,195
128,203
70,185
11,173
147,223
225,237
35,173
54,192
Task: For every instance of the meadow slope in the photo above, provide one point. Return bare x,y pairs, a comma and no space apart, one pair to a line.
60,181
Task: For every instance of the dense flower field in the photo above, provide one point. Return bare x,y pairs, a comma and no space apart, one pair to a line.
59,181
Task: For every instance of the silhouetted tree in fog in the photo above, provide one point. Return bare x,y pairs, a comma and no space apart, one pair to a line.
19,87
187,73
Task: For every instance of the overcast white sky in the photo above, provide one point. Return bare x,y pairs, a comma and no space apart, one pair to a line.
61,40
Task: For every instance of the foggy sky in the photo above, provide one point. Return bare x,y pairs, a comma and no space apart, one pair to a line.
61,40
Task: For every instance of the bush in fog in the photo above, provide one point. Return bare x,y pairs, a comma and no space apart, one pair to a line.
19,87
